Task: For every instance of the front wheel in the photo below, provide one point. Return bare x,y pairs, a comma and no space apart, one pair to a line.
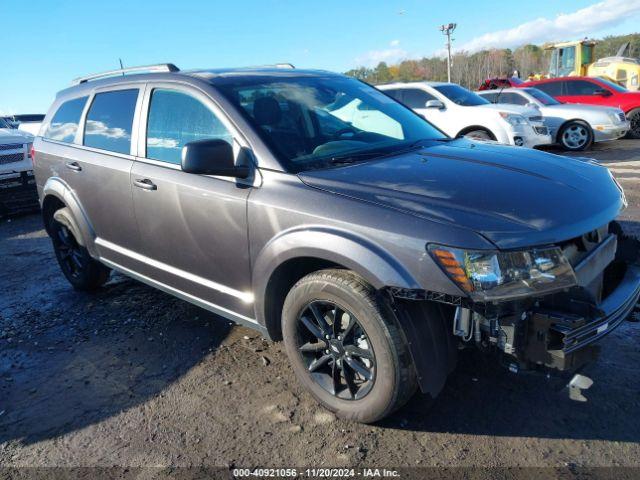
575,136
634,119
343,347
82,271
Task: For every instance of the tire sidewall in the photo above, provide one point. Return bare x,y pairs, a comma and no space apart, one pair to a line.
84,280
379,400
634,114
569,125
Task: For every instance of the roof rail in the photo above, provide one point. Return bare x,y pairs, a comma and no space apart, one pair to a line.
157,68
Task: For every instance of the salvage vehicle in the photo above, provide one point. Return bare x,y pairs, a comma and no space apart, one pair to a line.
375,257
499,82
573,126
17,185
461,113
593,91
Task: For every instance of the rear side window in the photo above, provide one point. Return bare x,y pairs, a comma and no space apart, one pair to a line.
110,120
414,98
64,124
176,119
512,99
551,88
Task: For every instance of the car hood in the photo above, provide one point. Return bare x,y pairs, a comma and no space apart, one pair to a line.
509,108
575,109
9,135
514,197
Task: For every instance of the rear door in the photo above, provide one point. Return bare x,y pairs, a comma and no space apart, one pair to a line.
193,228
98,170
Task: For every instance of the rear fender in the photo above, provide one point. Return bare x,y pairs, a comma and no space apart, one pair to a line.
73,214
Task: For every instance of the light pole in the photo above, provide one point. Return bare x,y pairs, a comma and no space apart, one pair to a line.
448,30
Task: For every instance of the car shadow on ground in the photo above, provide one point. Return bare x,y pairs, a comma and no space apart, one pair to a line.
98,355
615,151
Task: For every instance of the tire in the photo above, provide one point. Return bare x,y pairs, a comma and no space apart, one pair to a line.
478,134
575,136
371,341
634,118
83,272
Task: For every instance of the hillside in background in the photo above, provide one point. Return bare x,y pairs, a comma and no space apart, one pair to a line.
470,70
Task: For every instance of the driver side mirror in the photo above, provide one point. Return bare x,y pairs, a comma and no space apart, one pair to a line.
602,92
435,104
211,157
532,105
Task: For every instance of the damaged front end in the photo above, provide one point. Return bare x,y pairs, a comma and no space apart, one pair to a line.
579,291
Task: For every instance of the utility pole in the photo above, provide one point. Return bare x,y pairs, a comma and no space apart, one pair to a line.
448,30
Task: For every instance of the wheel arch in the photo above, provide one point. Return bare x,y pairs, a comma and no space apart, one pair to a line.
56,194
471,128
294,254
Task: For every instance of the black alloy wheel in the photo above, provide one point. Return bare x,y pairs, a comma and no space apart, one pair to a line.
336,350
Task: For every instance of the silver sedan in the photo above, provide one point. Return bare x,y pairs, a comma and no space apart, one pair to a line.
573,126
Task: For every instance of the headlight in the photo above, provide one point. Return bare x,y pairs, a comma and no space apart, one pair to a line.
491,275
514,119
614,117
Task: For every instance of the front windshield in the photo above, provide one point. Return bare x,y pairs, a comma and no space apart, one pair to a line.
612,85
311,121
460,95
542,97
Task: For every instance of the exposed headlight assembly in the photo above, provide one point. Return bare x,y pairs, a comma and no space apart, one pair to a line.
491,275
514,119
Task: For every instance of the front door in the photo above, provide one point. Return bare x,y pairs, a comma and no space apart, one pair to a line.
193,228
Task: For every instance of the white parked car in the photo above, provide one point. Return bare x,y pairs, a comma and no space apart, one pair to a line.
17,187
462,113
573,126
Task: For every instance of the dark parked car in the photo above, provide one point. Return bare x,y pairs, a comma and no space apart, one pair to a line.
374,250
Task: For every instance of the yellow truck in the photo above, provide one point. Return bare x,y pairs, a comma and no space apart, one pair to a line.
577,59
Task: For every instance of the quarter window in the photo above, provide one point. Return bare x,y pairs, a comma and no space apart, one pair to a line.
110,120
176,119
64,125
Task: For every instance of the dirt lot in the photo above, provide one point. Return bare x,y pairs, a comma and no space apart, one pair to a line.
133,377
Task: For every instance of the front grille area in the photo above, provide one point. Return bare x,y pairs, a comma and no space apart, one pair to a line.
11,158
537,118
14,146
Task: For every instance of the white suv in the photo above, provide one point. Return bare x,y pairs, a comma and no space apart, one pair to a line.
459,112
17,187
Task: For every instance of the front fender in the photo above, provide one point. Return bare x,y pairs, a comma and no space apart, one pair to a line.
333,245
74,214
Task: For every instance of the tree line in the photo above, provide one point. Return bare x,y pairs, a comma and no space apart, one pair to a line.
470,69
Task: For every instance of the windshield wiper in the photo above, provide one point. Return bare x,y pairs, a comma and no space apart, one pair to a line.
375,153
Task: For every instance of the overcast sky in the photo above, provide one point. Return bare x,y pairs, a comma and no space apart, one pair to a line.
53,42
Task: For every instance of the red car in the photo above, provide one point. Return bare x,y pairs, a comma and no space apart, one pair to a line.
496,83
594,91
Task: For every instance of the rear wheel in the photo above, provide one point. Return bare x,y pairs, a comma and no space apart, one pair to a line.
634,118
575,136
343,348
82,271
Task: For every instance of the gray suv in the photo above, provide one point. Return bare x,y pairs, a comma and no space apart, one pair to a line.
318,210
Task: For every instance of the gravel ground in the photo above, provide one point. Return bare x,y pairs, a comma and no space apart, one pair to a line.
132,377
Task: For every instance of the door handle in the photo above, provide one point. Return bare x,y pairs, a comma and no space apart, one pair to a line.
145,184
73,166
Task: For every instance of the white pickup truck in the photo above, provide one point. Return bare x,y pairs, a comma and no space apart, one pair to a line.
17,186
